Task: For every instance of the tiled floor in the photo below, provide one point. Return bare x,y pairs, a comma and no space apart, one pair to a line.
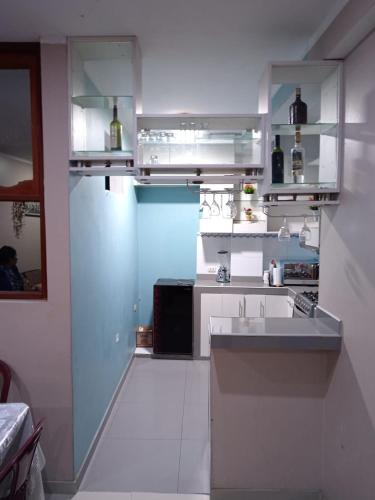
157,438
88,495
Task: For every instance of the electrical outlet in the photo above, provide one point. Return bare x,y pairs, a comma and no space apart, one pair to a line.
212,270
135,308
117,338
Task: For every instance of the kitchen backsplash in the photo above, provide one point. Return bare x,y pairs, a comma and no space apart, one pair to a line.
249,255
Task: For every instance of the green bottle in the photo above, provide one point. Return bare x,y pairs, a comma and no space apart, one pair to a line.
115,131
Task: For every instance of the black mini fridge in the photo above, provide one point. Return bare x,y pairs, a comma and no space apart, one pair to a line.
173,317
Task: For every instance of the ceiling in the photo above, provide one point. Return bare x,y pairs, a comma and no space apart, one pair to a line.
150,19
197,55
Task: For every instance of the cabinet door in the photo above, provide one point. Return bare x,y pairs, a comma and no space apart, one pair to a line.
211,305
254,306
233,305
276,306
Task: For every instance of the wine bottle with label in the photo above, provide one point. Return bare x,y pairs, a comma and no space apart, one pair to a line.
277,162
298,110
298,159
115,131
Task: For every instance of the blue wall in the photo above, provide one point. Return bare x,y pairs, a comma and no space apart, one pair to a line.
168,221
104,289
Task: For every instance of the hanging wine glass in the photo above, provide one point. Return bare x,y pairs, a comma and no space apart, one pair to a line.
284,234
215,209
204,209
233,208
305,232
227,209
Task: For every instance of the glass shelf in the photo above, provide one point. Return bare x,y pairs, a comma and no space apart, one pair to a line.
83,155
286,186
185,137
102,102
307,129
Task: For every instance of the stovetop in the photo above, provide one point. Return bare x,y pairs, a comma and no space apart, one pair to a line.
307,302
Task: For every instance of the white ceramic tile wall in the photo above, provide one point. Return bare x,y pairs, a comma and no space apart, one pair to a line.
249,256
275,249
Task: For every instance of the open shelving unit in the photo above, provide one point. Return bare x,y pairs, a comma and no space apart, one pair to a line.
321,85
104,71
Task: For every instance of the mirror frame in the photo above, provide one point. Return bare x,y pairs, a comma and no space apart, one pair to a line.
27,56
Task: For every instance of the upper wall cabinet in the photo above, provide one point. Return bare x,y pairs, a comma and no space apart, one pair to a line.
105,87
303,130
200,148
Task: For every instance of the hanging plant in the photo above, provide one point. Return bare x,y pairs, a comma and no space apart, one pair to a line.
18,212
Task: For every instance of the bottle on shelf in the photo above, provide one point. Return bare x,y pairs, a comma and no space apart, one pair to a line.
298,110
298,159
277,162
115,130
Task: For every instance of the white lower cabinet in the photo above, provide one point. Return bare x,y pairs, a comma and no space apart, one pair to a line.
233,304
239,305
254,306
211,305
277,306
248,306
227,304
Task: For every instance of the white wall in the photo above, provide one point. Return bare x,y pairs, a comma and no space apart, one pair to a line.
347,289
207,74
35,335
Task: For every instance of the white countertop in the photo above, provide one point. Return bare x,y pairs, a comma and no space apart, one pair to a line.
239,285
275,333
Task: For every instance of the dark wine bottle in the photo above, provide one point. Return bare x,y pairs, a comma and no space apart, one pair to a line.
115,131
277,162
298,110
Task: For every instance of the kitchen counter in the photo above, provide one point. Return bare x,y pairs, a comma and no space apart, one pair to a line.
278,333
321,333
252,286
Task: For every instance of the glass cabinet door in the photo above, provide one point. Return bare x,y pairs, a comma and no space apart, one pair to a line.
200,140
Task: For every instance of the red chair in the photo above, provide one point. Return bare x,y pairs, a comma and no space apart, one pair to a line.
14,476
5,377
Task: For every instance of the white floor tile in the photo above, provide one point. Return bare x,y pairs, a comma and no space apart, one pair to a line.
154,388
144,351
195,423
168,496
147,421
57,496
197,384
92,495
134,465
194,474
160,403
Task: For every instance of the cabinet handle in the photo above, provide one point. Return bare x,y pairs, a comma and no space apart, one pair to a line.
239,309
244,307
261,307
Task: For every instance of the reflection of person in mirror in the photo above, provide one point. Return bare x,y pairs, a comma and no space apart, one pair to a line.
10,277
